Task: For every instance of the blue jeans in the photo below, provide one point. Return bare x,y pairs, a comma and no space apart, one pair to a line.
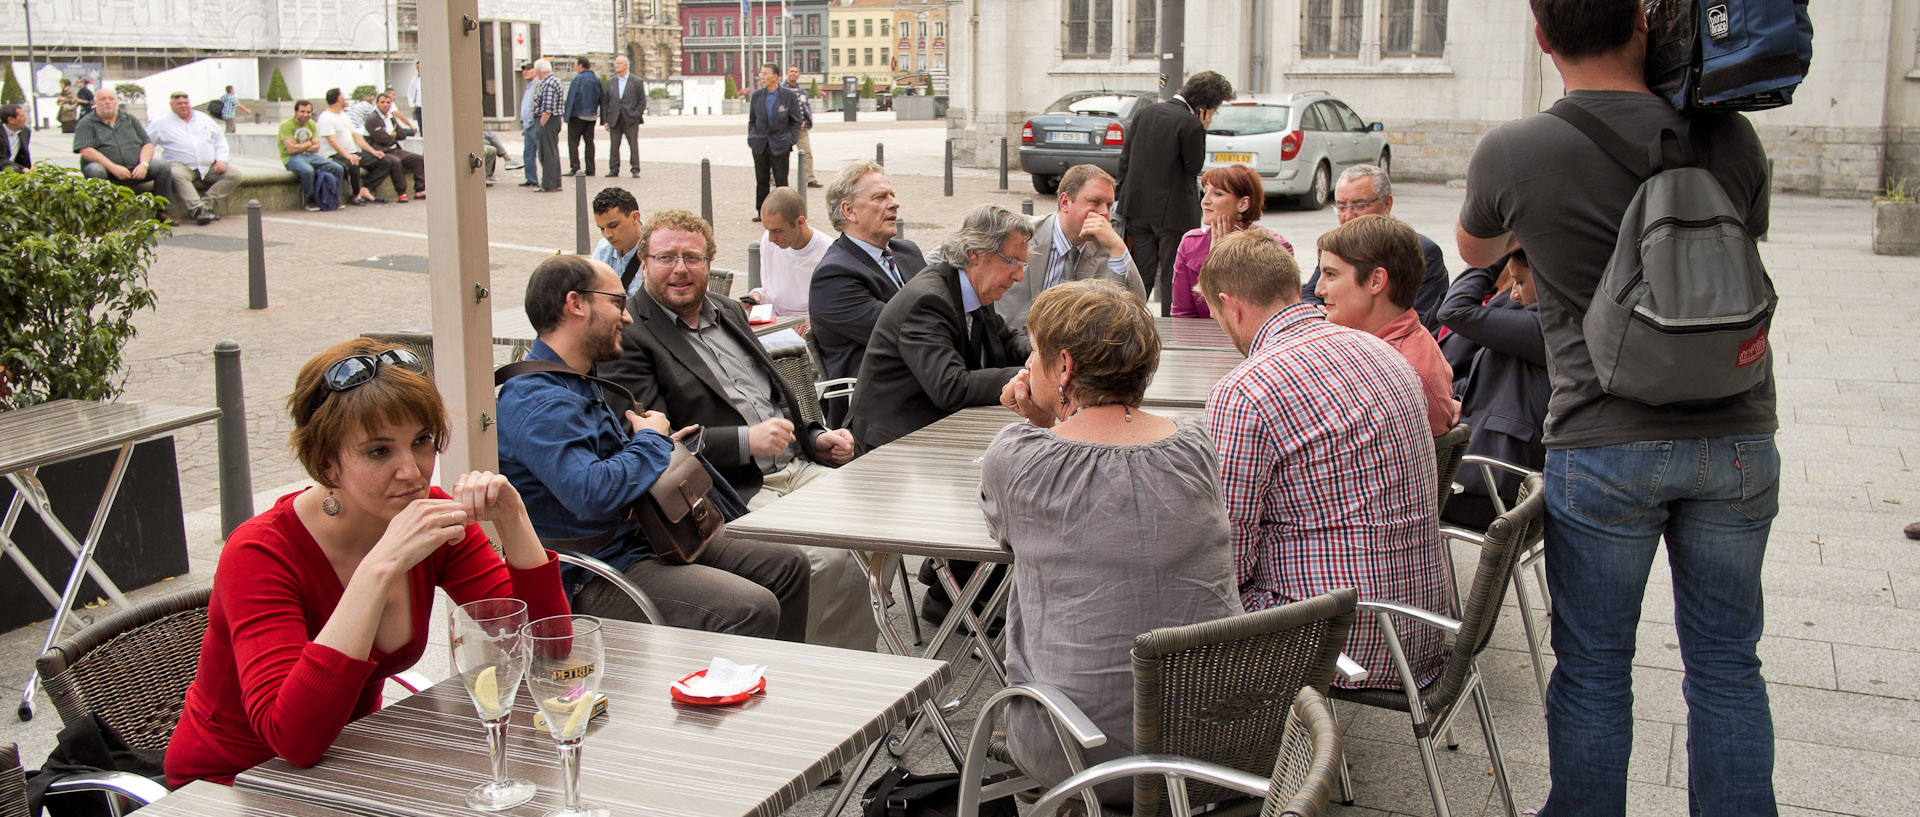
530,152
1714,501
304,164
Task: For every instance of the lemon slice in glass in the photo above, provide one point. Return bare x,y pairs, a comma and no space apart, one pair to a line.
486,690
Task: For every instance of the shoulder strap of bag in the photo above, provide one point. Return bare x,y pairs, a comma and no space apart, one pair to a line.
512,370
1609,140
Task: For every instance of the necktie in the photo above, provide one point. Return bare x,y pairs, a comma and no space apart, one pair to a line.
893,272
977,337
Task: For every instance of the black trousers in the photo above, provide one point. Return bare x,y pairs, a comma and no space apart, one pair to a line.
550,154
372,171
404,164
767,164
631,133
579,130
1153,251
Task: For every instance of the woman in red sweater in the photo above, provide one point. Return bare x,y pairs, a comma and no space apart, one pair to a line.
318,600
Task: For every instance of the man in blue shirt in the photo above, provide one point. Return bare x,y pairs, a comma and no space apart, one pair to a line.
529,130
618,216
579,467
583,107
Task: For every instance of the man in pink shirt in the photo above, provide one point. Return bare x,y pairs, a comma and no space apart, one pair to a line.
1370,272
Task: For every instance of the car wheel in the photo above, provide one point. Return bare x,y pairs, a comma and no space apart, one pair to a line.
1386,164
1046,184
1321,192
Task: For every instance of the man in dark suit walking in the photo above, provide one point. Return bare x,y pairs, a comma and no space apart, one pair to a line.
583,106
14,136
773,125
622,110
939,347
861,271
1160,174
689,353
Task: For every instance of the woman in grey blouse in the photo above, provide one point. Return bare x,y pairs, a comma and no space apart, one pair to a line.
1114,516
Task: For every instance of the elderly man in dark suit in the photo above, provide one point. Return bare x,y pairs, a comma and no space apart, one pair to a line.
773,125
939,346
861,271
14,136
690,354
1074,244
623,108
1160,172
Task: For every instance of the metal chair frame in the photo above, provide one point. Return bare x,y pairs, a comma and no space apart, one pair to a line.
1532,559
120,788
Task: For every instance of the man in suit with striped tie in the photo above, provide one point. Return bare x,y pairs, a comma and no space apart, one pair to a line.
860,273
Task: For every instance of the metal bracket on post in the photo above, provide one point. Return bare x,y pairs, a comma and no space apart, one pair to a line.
473,163
480,293
468,25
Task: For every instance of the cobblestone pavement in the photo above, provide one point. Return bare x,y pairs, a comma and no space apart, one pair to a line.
1843,586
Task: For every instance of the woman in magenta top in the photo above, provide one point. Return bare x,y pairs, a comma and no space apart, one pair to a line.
318,600
1231,200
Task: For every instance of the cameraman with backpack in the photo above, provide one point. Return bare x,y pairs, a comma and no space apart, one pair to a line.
1622,472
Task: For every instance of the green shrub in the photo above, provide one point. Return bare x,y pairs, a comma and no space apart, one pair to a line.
364,91
74,275
129,93
866,88
277,88
10,92
658,92
732,88
813,89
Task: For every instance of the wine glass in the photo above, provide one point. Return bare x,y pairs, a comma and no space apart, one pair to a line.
567,664
490,654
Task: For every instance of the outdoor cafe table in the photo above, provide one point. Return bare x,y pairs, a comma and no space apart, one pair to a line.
203,799
1199,334
648,754
1187,376
61,430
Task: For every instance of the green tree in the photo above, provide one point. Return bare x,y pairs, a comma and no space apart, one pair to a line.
277,88
74,275
10,93
732,89
866,88
813,89
129,92
364,91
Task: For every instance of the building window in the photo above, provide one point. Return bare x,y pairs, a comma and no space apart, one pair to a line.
940,28
836,57
867,26
1414,28
813,62
710,25
1089,28
884,24
726,27
869,56
835,28
813,26
884,58
1146,15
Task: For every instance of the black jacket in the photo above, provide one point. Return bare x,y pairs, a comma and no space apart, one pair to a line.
777,134
1505,399
1160,167
624,111
916,369
846,295
660,366
22,158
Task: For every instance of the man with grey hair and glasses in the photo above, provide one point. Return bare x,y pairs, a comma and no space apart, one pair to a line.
863,269
938,346
1365,190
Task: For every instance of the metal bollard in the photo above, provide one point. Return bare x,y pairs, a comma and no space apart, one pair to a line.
581,221
236,474
256,258
949,170
799,182
706,190
1026,205
900,229
753,266
880,153
1003,163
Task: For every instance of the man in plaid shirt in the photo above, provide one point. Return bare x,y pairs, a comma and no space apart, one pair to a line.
1325,460
549,110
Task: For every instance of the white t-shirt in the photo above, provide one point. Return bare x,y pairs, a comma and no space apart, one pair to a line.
786,275
336,125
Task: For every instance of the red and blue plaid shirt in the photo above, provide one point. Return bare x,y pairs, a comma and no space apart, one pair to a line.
1328,473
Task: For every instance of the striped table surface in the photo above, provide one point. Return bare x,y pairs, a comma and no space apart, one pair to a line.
1187,376
918,495
59,430
203,799
648,754
1193,334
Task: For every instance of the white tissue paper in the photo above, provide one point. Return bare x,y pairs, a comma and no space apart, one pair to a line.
723,678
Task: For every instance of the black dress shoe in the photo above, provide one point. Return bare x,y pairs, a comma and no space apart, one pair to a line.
613,173
529,184
573,172
636,174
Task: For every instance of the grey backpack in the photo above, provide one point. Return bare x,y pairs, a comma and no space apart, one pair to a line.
1683,308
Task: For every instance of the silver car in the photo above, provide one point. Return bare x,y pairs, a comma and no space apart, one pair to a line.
1081,128
1298,143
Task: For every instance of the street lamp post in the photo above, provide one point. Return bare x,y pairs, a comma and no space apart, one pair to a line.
33,85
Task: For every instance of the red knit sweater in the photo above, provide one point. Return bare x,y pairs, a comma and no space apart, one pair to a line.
265,690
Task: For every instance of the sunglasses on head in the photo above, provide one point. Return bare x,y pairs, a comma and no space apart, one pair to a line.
352,372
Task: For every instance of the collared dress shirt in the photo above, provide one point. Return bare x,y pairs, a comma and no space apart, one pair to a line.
549,98
1328,474
606,254
197,142
577,465
1063,249
1410,338
749,388
883,257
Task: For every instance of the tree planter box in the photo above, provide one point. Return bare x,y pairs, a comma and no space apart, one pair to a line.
1896,227
144,541
733,106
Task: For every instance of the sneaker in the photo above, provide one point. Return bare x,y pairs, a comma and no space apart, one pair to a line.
202,216
313,208
515,166
814,185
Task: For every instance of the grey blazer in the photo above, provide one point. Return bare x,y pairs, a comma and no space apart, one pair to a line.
625,110
1092,264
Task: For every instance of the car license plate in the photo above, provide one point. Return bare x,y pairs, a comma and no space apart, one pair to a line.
1232,158
1067,137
